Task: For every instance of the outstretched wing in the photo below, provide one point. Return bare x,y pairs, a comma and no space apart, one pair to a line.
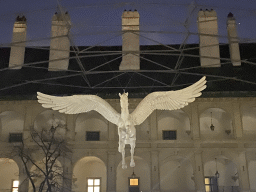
168,100
79,104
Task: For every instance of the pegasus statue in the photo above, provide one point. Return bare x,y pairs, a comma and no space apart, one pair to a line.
166,100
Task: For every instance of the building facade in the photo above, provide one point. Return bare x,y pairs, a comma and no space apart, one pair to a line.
207,146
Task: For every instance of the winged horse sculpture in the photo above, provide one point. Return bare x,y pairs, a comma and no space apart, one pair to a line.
168,100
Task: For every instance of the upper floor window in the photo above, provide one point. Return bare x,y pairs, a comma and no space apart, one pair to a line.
92,135
15,185
15,137
93,184
169,135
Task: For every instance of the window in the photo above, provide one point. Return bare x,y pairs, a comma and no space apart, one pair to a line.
15,185
211,184
134,184
169,135
93,185
92,135
15,137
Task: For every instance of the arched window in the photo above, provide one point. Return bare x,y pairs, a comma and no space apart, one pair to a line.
90,175
9,174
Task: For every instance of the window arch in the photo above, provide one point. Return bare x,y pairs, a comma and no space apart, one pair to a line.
11,122
222,122
9,171
87,169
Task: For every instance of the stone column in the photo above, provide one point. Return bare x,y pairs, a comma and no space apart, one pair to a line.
195,126
111,172
155,175
199,173
238,130
243,174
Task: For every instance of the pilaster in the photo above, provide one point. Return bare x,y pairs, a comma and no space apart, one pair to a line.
243,174
67,174
155,175
238,129
112,128
195,127
111,172
70,123
199,172
153,126
28,123
24,181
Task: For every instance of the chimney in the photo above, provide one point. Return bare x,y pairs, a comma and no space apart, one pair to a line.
131,41
60,45
208,37
233,41
18,43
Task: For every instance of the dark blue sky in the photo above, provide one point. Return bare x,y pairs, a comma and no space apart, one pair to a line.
94,22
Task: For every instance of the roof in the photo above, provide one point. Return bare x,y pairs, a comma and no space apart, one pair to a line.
101,74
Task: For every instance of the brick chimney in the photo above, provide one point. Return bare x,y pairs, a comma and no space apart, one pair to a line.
131,41
233,41
18,43
60,44
208,37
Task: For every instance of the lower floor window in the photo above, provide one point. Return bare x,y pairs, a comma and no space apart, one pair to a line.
15,185
93,184
211,184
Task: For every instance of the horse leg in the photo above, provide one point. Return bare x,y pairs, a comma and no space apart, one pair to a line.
120,145
124,166
120,140
132,163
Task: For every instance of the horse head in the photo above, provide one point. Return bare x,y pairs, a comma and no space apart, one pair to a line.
124,100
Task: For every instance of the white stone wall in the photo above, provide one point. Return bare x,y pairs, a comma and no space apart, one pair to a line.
162,165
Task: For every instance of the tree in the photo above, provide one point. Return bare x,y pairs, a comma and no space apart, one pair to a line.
50,145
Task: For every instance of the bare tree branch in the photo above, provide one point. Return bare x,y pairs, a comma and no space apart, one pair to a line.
52,147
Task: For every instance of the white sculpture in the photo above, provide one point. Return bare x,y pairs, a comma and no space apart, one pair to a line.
168,100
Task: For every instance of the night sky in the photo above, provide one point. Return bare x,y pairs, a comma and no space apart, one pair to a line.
94,22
